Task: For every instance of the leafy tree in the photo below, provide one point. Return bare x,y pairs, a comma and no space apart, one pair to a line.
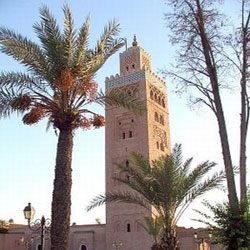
59,85
168,186
202,63
229,229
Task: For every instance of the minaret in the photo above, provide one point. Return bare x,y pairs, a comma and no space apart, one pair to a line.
125,132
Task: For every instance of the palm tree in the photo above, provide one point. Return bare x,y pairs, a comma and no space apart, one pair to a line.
59,85
168,184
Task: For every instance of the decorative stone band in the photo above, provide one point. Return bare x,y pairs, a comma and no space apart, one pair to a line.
115,81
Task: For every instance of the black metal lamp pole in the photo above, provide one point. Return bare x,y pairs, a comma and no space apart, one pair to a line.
39,224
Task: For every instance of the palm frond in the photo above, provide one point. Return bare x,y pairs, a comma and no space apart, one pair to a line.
51,40
6,99
113,97
154,227
25,51
108,44
82,44
23,82
105,47
140,162
69,37
127,197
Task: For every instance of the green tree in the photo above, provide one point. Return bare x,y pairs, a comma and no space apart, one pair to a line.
228,229
59,85
168,186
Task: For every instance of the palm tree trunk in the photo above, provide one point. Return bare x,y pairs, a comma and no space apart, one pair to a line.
170,240
61,201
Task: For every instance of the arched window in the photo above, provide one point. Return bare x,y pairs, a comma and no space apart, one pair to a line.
117,227
127,163
151,95
161,120
83,247
155,97
156,117
39,247
130,134
128,228
159,100
163,103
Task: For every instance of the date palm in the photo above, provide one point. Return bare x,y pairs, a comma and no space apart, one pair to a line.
59,85
169,185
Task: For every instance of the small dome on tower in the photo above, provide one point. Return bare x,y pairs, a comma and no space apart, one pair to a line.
135,43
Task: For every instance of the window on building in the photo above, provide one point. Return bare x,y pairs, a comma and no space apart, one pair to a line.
161,120
163,103
123,135
159,100
130,134
133,66
162,147
157,145
83,247
128,228
127,163
155,97
39,247
151,95
127,68
156,117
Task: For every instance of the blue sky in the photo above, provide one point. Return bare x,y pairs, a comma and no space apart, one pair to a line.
27,153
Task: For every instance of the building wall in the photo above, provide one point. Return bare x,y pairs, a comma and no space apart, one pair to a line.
94,238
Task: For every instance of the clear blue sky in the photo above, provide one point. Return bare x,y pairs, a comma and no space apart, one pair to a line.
27,153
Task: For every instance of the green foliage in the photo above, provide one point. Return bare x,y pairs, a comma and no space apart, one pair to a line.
229,229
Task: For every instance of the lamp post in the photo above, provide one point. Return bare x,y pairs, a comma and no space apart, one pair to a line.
42,224
202,241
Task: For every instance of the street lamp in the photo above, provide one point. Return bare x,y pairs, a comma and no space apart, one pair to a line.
42,224
202,241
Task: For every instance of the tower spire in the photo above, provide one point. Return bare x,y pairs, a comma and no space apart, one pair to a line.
135,43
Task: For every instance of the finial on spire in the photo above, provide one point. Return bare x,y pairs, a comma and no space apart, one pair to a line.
135,43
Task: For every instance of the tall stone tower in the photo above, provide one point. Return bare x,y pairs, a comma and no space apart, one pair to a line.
125,132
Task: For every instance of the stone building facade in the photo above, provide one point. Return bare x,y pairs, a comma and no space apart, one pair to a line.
125,132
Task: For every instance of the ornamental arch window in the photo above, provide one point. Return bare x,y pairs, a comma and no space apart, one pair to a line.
163,103
155,97
156,117
151,94
83,247
128,227
161,120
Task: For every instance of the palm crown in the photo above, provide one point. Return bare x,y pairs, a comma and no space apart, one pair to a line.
60,79
169,184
